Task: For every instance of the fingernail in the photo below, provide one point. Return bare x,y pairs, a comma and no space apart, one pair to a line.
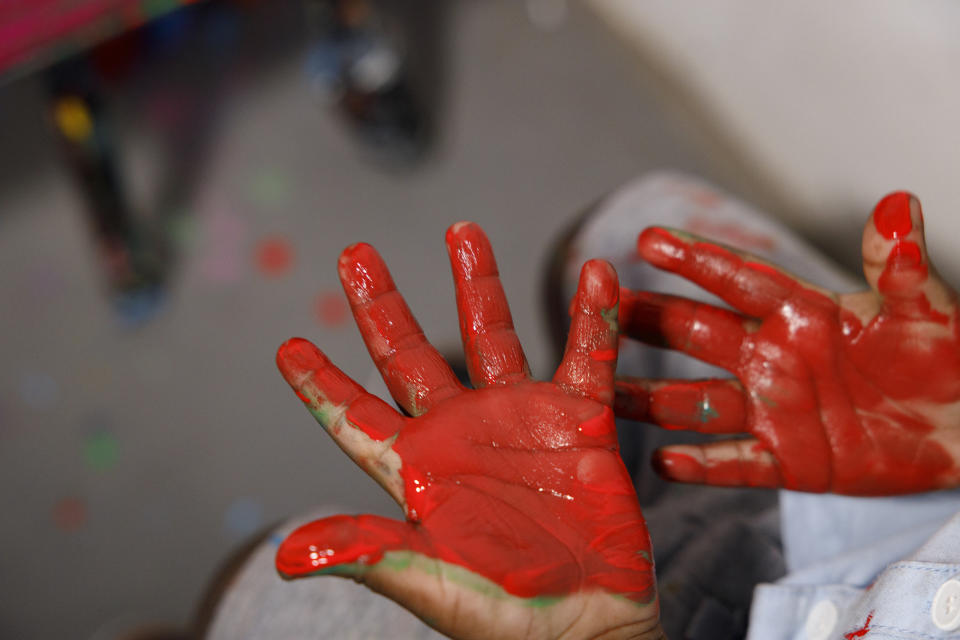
891,216
598,282
360,270
298,354
660,247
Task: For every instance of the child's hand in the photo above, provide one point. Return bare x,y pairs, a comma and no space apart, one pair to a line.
856,394
521,520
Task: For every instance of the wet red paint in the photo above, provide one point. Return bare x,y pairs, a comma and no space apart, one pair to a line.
517,480
331,309
892,215
298,359
493,351
274,256
834,402
707,406
862,631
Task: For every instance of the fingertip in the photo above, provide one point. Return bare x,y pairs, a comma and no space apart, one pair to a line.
470,250
362,272
312,548
338,545
458,230
678,466
297,355
660,247
353,253
897,214
599,284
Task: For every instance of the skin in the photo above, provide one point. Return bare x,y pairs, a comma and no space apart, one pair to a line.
855,394
521,520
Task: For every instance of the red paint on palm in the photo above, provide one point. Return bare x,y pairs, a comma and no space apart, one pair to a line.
543,509
517,481
855,394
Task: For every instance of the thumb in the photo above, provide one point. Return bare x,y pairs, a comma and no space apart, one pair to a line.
342,545
397,560
895,260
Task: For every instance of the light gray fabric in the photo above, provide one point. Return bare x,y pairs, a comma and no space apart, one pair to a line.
898,601
260,605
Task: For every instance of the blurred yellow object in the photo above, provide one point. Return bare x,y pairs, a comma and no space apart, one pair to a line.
73,119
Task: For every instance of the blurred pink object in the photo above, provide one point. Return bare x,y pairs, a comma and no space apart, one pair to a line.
34,33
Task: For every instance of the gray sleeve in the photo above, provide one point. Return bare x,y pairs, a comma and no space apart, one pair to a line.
259,605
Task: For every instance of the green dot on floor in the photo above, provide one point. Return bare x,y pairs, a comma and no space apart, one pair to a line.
270,189
101,450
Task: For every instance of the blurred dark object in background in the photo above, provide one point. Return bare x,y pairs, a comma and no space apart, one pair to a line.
375,63
361,63
136,242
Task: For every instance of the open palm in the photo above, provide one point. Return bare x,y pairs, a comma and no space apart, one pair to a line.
856,394
521,519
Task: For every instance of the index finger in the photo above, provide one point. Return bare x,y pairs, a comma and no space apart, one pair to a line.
744,281
416,374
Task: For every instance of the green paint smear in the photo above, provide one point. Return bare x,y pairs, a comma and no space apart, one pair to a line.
611,315
101,451
683,235
707,413
767,401
407,560
323,411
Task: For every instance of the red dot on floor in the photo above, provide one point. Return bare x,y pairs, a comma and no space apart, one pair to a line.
274,256
331,309
70,514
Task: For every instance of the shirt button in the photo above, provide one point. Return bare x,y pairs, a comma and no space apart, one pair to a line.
946,606
821,621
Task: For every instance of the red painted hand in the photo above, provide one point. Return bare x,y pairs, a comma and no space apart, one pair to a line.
521,519
856,394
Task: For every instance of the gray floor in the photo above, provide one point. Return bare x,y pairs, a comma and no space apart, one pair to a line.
210,443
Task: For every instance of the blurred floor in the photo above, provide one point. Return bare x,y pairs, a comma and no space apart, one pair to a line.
132,461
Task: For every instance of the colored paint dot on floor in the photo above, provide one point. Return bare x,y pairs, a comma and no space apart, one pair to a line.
274,256
69,514
270,188
39,391
101,450
182,228
243,517
73,119
331,309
